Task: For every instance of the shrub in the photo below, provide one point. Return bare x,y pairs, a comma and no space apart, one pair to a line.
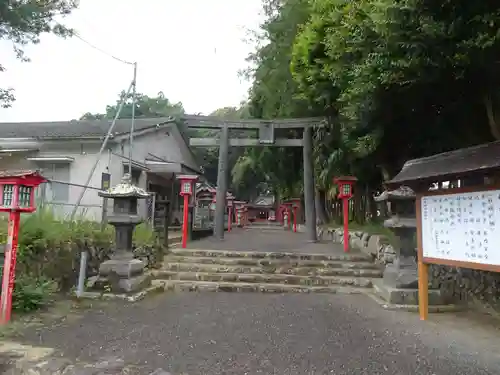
49,254
32,293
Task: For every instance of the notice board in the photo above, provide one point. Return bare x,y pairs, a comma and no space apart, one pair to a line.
461,229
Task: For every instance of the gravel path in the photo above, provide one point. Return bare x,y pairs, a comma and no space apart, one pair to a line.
226,333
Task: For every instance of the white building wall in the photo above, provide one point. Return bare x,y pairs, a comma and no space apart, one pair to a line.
165,143
71,174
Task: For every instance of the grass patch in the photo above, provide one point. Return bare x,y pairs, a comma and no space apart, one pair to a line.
49,252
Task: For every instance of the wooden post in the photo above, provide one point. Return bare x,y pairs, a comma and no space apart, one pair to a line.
423,269
423,290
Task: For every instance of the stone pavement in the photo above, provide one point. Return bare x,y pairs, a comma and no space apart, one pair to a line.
242,333
271,240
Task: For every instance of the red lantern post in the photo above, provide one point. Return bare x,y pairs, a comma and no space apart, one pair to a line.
245,215
289,214
295,208
238,209
230,201
187,190
17,195
345,193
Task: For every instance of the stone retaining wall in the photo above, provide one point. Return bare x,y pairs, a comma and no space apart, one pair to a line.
377,246
459,284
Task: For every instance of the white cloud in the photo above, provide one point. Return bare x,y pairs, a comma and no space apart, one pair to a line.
189,49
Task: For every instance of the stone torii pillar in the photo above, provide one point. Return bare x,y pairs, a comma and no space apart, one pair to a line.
222,176
310,207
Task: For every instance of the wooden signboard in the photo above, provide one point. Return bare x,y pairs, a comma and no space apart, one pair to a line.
457,227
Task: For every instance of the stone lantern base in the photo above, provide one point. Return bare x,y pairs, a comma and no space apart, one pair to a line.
405,296
122,275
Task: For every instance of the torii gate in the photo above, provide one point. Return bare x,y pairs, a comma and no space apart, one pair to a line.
266,138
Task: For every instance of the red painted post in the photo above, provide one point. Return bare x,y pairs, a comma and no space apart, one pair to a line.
187,189
295,219
230,212
9,272
185,219
345,203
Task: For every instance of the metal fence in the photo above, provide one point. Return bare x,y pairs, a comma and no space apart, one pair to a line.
62,197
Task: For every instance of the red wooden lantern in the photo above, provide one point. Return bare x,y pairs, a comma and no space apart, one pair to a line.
17,194
187,189
345,184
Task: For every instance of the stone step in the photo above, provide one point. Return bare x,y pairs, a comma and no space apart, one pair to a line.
350,257
341,269
269,262
206,286
264,278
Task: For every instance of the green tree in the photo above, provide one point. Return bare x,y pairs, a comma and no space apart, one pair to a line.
22,23
145,106
273,94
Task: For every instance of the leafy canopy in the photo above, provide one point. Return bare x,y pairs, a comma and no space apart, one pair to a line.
23,21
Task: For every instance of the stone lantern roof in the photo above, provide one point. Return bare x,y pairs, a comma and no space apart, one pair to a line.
125,189
403,192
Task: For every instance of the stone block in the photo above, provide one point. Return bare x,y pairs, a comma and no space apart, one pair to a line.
49,366
355,243
399,296
365,238
358,234
160,371
387,254
133,284
402,274
112,365
375,245
123,268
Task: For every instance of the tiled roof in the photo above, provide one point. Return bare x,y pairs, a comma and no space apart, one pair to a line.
450,165
75,128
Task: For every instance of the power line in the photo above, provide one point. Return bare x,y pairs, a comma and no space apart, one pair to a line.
101,50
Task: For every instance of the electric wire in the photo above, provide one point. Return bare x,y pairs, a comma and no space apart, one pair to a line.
78,36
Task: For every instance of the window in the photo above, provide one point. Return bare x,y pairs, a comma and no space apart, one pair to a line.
136,174
60,189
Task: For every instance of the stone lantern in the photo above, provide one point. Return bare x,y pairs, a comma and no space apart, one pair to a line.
400,279
402,273
123,273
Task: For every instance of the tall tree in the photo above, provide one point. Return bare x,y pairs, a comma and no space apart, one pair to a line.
23,21
394,79
145,106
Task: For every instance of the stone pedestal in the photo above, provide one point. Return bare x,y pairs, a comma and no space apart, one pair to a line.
400,280
122,273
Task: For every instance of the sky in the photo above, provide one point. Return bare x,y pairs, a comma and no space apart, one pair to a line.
191,50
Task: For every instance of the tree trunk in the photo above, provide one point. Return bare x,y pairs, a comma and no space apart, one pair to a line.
319,201
493,114
358,207
372,206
